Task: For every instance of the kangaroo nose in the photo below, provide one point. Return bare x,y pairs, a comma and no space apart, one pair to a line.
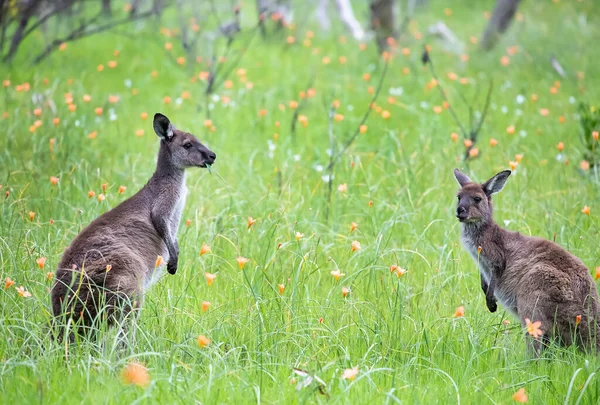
212,156
461,210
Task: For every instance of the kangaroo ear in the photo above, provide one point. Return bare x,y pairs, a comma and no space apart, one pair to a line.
462,179
496,183
163,127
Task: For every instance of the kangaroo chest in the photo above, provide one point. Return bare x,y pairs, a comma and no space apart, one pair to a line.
175,217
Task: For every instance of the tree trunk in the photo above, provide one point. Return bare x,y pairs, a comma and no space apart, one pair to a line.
349,20
383,22
106,8
24,15
135,5
501,18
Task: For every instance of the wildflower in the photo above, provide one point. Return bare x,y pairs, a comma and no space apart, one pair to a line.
8,282
586,210
49,276
168,46
505,60
281,288
204,249
493,142
112,64
207,123
337,274
400,271
41,262
167,99
345,291
37,112
585,165
100,68
353,226
136,374
366,77
210,278
188,222
520,396
533,328
22,292
86,98
595,135
72,107
544,112
241,261
468,143
122,189
205,306
343,188
62,46
159,261
31,215
203,341
350,373
98,110
473,152
362,129
139,132
519,157
338,117
293,104
385,114
597,276
113,98
511,129
560,146
251,221
437,109
513,165
56,121
108,267
93,134
299,236
460,312
577,319
355,245
454,136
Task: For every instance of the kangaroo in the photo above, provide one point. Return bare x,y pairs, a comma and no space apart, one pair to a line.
535,279
110,263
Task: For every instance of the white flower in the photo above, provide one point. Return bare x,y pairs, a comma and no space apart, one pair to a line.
520,99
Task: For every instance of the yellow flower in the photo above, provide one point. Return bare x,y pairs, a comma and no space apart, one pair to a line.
299,236
533,328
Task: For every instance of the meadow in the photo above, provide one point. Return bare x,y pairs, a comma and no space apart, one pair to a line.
402,318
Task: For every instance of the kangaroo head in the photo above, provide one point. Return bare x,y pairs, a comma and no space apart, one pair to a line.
184,149
475,200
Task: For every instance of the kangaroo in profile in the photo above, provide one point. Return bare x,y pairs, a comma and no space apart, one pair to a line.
112,261
534,278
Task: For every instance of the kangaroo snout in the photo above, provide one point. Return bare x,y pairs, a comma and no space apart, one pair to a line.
461,213
208,156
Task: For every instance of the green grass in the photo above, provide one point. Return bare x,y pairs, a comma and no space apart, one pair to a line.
401,333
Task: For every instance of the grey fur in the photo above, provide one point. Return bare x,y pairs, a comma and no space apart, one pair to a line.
534,278
129,238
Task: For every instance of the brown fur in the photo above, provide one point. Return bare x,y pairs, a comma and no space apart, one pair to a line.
129,238
534,278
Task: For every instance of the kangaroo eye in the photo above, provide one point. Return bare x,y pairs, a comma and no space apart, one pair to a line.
187,145
477,199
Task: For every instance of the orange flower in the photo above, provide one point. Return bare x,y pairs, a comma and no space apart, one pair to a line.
560,146
101,197
468,143
597,275
262,112
139,132
98,110
437,109
519,157
303,120
54,180
585,165
41,262
86,98
72,107
112,64
505,60
203,341
92,135
136,374
49,276
337,274
167,99
577,319
56,121
362,129
533,328
353,226
454,136
473,152
338,117
586,210
460,312
385,114
241,261
366,76
6,83
544,112
62,47
493,142
122,189
520,396
168,46
345,291
207,123
31,215
513,165
251,221
204,249
8,282
205,306
22,292
326,60
144,115
355,246
188,222
293,104
595,135
299,236
100,68
399,271
37,112
281,288
108,267
210,278
159,261
343,188
350,373
511,129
